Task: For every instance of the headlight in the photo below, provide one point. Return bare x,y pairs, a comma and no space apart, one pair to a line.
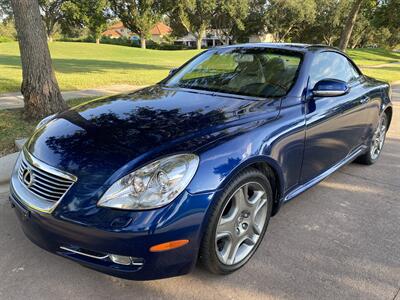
44,121
153,185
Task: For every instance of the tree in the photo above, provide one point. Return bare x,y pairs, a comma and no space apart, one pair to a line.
348,28
96,17
52,14
40,89
327,26
139,16
196,16
386,19
286,16
230,17
255,22
5,9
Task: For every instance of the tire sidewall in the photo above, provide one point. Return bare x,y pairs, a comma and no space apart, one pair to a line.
383,118
218,206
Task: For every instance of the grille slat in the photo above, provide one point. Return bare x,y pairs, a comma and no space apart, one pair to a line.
50,176
62,185
42,183
46,185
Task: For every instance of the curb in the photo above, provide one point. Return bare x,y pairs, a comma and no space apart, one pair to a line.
6,166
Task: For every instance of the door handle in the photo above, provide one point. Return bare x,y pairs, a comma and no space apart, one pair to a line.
364,99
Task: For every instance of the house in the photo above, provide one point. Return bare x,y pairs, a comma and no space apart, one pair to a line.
211,39
261,38
118,30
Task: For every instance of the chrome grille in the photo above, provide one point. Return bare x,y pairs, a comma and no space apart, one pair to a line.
43,181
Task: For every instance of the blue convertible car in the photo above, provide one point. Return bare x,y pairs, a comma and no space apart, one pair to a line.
142,185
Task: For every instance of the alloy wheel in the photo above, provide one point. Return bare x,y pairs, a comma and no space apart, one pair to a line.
241,223
378,139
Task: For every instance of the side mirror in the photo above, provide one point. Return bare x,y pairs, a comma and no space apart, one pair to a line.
172,71
330,88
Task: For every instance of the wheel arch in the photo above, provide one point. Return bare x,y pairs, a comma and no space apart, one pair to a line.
389,113
271,169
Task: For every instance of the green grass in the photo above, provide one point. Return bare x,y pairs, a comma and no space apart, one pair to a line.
370,57
13,125
84,65
389,73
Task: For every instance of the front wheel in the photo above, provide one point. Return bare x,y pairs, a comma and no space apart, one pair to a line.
237,223
377,142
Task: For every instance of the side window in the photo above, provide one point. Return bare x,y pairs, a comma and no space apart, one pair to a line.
332,65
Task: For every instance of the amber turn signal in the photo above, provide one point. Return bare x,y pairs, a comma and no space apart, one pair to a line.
168,245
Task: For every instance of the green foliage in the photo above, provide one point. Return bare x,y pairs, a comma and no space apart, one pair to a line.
387,18
5,9
94,16
7,31
139,16
52,14
196,16
230,17
284,17
328,23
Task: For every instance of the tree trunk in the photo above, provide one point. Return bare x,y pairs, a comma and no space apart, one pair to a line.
97,41
198,42
348,28
40,89
142,42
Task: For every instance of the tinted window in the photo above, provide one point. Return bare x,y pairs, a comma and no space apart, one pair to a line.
332,65
257,72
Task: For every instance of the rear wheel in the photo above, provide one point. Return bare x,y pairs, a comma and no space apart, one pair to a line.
377,142
238,222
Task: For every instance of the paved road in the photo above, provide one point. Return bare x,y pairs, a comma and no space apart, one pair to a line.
339,240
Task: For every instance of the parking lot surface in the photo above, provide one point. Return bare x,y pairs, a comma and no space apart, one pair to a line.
339,240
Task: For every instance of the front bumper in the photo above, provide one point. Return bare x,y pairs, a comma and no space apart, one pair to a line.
54,234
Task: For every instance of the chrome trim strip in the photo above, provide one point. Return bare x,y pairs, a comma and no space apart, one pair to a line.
302,188
49,169
94,256
84,254
35,200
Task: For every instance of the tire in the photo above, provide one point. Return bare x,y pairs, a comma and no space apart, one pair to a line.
238,222
376,145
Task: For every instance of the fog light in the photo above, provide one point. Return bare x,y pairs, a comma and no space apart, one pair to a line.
121,260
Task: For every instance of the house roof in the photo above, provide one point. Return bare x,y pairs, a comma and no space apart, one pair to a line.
158,29
118,25
112,32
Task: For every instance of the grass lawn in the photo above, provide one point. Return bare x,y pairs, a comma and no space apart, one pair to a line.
370,57
84,65
14,126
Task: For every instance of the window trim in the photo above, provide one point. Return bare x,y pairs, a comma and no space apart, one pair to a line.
349,60
298,54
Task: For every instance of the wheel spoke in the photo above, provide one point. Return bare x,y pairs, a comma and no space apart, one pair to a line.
239,229
261,204
226,227
233,250
241,197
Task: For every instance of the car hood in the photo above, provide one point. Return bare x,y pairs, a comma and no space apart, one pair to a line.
97,138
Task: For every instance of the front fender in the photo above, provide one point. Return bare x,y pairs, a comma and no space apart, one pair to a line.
224,161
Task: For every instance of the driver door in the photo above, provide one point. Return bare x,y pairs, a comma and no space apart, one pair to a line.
334,125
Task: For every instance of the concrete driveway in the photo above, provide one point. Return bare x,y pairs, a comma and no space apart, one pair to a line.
339,240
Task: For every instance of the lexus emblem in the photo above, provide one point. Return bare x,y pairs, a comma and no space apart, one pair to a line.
28,177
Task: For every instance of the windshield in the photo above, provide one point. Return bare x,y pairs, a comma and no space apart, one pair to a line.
259,72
